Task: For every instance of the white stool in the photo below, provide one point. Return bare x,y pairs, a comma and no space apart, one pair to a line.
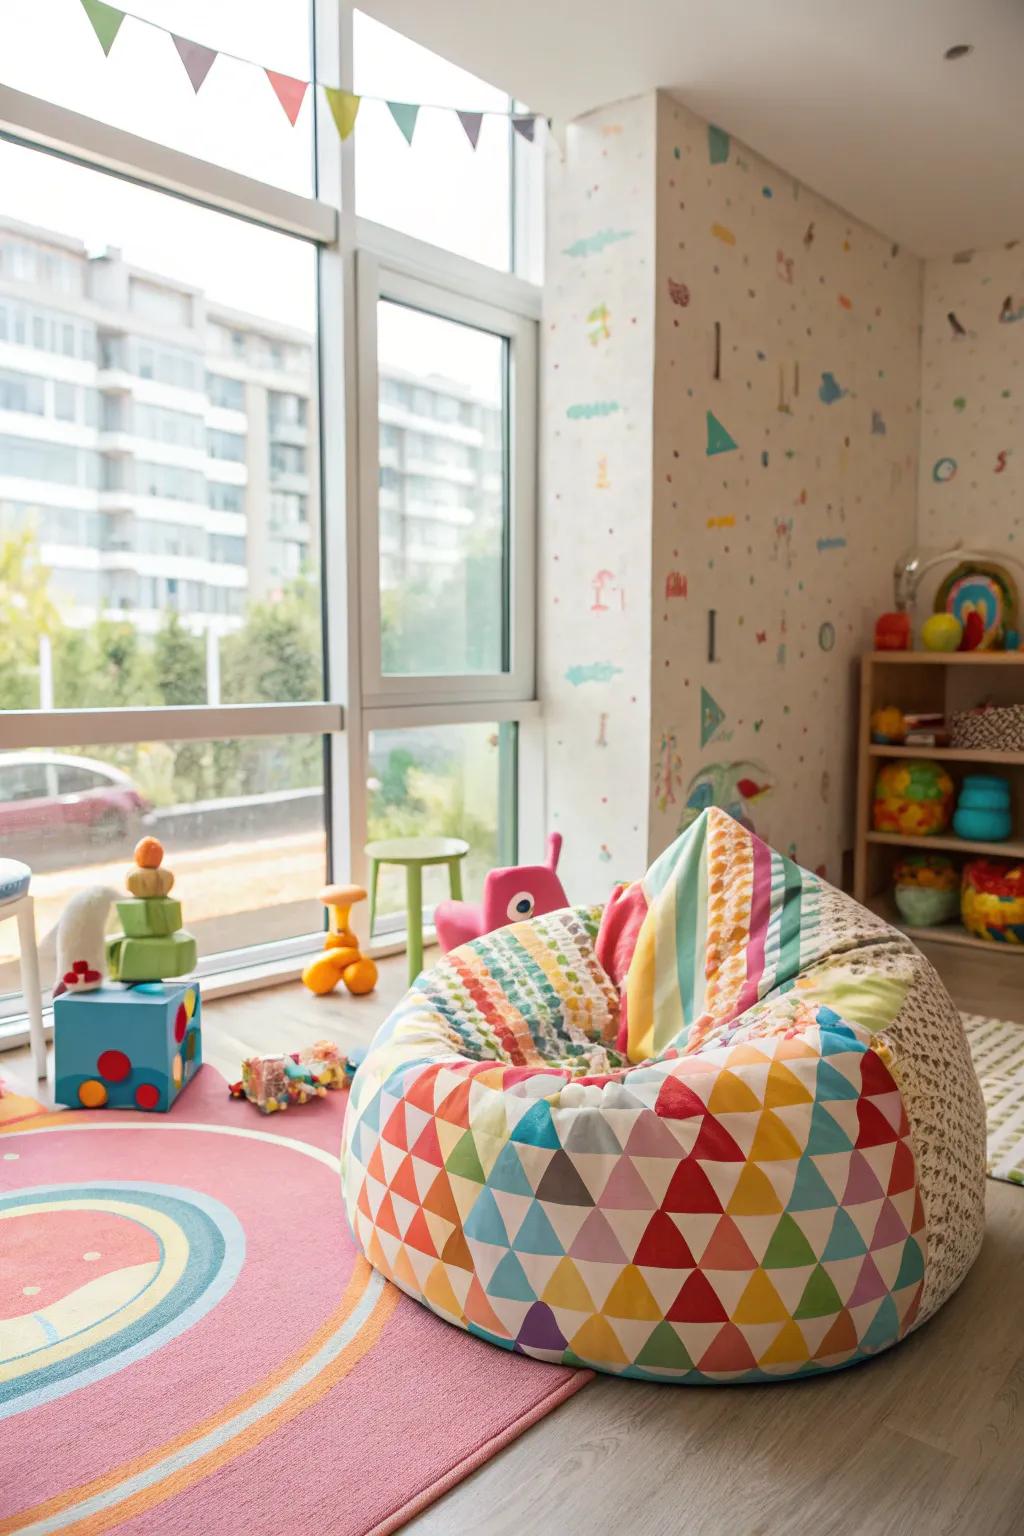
15,902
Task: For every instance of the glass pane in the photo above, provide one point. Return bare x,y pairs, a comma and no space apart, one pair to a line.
242,824
438,188
441,781
159,517
442,500
235,120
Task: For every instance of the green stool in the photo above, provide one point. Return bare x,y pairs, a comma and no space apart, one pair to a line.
415,853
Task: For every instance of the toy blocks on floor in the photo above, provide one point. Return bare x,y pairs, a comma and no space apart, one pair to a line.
153,945
133,1047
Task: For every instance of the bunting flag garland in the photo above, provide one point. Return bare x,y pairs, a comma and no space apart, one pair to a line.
344,109
291,93
405,115
472,122
105,22
198,60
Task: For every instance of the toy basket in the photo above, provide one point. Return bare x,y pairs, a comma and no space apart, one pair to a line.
994,728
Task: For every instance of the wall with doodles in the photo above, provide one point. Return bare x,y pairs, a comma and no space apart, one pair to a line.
972,391
785,477
714,548
594,560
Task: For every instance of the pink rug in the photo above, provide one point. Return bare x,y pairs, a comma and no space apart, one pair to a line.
189,1341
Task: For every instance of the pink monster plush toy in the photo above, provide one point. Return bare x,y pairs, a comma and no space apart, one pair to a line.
510,896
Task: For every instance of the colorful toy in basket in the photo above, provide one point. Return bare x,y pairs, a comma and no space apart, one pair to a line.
342,959
926,888
510,896
276,1081
153,944
992,900
913,797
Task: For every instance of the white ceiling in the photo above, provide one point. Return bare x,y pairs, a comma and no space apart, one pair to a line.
851,96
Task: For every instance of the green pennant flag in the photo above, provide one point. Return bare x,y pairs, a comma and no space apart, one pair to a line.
405,115
344,108
106,21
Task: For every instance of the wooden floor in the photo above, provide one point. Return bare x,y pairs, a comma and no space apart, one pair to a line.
928,1440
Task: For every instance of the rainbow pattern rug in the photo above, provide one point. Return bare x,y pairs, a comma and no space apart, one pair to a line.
189,1341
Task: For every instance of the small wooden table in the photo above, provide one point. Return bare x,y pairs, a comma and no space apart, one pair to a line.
415,853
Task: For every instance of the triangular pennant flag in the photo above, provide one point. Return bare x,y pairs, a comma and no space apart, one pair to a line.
196,57
405,115
291,93
525,125
472,122
344,109
106,22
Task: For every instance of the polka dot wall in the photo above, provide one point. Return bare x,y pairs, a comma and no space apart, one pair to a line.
972,396
717,541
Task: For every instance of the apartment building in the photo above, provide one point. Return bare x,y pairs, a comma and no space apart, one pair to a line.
158,442
163,446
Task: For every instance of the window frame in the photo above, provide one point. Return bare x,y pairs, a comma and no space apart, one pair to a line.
377,281
357,262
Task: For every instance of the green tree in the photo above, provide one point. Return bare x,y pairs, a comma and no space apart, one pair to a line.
27,612
275,656
179,663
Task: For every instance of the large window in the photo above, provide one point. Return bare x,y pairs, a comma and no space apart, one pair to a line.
266,534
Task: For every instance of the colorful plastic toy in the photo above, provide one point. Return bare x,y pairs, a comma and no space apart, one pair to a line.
342,959
941,632
276,1081
914,797
153,945
888,727
926,888
510,896
983,809
127,1047
892,632
992,902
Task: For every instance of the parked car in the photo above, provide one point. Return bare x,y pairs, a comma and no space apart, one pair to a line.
49,800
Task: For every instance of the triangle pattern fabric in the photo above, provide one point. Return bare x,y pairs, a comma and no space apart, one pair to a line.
727,1192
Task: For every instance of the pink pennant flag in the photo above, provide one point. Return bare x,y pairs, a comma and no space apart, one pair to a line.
197,59
472,122
525,124
291,93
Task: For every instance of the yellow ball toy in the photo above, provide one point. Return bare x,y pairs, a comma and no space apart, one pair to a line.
942,632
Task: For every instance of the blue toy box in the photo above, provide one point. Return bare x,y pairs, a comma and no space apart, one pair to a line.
127,1047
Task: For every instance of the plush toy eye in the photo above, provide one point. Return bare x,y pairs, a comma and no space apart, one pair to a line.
521,905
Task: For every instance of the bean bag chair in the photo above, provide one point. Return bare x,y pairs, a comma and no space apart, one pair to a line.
725,1130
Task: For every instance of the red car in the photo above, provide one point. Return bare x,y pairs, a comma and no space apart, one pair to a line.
48,800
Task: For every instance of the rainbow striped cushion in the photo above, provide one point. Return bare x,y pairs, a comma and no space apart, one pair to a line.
725,1189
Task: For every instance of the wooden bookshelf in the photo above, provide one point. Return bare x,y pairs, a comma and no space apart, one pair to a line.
932,682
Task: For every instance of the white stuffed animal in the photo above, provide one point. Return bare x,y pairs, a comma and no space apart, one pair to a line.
81,947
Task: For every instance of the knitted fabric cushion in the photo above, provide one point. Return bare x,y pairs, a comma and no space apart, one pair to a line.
756,1154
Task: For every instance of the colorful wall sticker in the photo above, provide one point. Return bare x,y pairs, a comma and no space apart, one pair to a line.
591,672
711,716
719,440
